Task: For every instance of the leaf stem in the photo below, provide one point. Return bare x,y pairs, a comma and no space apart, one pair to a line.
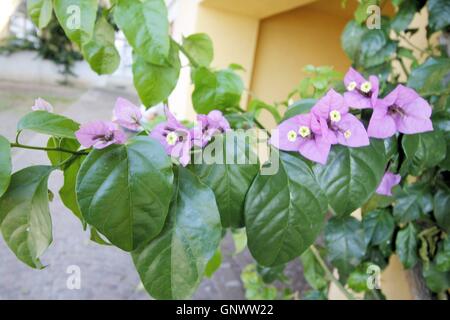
330,276
190,58
23,146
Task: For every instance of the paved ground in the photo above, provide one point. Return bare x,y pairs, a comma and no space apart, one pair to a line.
106,272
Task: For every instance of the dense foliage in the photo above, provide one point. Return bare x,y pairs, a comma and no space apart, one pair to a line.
170,214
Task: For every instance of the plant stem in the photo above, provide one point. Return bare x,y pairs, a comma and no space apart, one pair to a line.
330,276
258,124
23,146
191,60
412,44
402,64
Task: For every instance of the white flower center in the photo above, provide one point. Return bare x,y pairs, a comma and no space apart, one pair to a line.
351,86
347,134
335,116
366,87
292,136
172,138
304,131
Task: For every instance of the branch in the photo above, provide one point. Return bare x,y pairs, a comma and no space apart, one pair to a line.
23,146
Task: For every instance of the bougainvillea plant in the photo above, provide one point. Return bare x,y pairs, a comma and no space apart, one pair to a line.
166,192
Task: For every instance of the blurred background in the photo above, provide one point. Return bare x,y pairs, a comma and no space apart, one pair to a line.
273,40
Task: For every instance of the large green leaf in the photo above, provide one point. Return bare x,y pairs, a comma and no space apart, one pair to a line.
423,151
68,190
284,212
429,78
101,52
77,18
124,191
58,157
378,226
48,123
406,246
5,164
442,258
345,242
230,181
351,39
439,14
154,83
351,175
405,14
436,280
25,219
172,265
442,208
40,12
200,48
412,202
216,90
146,26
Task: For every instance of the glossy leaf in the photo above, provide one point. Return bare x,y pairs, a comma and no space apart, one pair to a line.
67,192
5,164
442,258
25,220
146,26
284,212
436,280
124,191
299,107
216,90
100,52
423,151
351,39
48,123
351,175
154,83
172,265
230,181
200,48
412,202
77,18
345,242
439,14
406,246
429,78
58,157
378,226
40,12
405,14
442,208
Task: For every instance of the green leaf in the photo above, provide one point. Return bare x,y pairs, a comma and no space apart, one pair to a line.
312,271
423,151
378,226
436,280
124,191
67,192
154,83
230,181
57,157
239,239
40,12
345,242
439,14
146,26
357,280
25,219
441,208
5,164
216,90
77,18
172,265
100,52
299,107
351,39
405,15
97,238
48,123
442,258
284,212
255,106
406,246
361,12
351,175
412,202
429,78
213,264
200,48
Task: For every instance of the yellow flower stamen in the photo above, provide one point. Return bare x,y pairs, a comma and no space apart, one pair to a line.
304,131
335,116
347,134
366,87
172,138
292,136
351,86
